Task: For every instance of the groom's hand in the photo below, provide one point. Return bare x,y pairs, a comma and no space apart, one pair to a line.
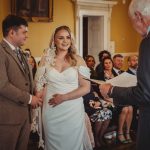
36,101
39,94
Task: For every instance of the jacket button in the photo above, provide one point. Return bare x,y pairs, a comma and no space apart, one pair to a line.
26,84
21,102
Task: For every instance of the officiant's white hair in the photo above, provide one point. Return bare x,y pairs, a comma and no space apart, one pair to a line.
143,6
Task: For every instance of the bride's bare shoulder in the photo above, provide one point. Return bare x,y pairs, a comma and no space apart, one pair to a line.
80,61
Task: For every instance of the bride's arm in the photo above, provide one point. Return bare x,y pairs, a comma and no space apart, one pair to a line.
83,89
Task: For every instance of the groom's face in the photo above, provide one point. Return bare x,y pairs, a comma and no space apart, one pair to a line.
18,36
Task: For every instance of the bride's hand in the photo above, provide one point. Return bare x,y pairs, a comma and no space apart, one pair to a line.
56,100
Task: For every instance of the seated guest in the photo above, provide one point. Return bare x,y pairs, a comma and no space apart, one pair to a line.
32,62
125,112
118,63
90,61
101,56
106,74
27,52
99,115
133,64
132,69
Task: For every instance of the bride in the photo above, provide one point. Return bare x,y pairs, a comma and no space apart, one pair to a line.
60,79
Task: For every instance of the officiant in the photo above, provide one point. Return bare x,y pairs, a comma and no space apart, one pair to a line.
139,13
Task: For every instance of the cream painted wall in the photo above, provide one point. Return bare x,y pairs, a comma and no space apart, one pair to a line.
4,10
122,32
126,39
39,33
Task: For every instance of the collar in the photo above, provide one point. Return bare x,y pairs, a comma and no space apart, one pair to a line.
148,30
11,46
133,70
116,70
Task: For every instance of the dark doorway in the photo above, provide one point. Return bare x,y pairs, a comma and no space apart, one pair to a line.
85,36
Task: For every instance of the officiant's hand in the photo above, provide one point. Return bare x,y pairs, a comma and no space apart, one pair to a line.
104,89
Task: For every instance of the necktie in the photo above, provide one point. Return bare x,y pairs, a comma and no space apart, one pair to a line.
20,58
119,72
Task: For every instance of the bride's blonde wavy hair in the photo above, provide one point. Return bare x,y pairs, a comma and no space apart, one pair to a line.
70,57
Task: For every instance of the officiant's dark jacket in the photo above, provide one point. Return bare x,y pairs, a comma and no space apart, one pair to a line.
139,95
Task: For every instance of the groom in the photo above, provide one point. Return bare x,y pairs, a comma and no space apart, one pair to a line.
16,87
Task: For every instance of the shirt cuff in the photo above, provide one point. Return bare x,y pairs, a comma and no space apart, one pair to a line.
110,91
30,99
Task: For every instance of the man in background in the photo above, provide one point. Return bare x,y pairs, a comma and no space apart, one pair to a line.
132,69
133,64
118,63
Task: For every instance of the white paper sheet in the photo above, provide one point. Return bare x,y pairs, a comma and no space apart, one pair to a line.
123,80
95,81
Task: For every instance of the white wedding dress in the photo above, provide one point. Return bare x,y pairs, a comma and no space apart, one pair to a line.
64,125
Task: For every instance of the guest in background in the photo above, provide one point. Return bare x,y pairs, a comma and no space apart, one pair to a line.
101,56
90,62
125,112
133,64
132,69
107,69
27,52
106,74
99,115
32,62
118,63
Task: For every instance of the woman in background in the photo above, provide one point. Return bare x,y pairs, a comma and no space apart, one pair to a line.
32,62
90,62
